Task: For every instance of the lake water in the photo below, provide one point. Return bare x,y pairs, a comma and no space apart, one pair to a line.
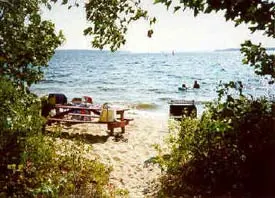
146,80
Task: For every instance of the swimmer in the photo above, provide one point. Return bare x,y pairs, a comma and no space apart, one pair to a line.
196,85
183,86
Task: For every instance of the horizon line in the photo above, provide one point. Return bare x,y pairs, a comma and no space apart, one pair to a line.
150,52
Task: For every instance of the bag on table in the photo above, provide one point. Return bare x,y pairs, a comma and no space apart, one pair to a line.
107,114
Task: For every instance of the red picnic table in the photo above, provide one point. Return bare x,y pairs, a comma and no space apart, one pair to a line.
76,114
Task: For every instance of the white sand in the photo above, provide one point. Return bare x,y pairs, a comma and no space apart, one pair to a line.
127,154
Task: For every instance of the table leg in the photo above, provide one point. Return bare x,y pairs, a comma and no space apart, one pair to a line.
122,119
112,131
57,110
122,115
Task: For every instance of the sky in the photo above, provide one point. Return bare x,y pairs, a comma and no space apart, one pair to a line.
179,32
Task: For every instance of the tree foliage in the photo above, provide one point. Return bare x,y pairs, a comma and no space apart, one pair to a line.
256,56
26,41
31,164
257,14
212,156
227,152
19,119
109,21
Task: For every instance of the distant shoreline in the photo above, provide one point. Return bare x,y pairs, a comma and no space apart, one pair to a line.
238,49
160,52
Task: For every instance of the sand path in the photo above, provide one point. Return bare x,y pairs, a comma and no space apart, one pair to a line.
127,154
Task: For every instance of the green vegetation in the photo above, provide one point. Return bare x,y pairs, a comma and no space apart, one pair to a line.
229,151
26,41
109,21
32,163
60,169
256,56
226,152
19,119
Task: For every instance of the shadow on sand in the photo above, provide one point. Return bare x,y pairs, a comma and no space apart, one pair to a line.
87,138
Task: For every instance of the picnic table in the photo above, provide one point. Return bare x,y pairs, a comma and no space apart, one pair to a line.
76,114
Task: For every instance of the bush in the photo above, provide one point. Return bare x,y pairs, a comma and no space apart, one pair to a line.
32,164
229,151
57,167
19,118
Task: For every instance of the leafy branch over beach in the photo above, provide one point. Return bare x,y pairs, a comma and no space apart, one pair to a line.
228,151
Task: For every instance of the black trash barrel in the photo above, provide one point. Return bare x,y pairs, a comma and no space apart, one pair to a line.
180,108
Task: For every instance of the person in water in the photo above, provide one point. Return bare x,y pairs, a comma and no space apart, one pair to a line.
196,85
183,86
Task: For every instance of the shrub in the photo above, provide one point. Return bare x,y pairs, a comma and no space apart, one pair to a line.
229,151
59,168
33,164
19,118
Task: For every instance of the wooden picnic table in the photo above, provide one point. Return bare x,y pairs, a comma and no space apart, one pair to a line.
87,115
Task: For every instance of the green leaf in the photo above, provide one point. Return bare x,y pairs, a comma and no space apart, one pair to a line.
168,3
160,1
176,8
49,6
149,33
64,2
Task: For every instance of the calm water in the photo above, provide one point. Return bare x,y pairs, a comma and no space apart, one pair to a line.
153,79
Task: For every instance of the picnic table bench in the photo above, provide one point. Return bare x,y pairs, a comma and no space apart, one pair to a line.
88,114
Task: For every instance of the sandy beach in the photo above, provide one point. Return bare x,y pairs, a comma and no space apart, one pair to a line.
128,154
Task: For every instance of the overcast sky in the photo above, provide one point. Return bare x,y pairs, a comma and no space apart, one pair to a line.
178,32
